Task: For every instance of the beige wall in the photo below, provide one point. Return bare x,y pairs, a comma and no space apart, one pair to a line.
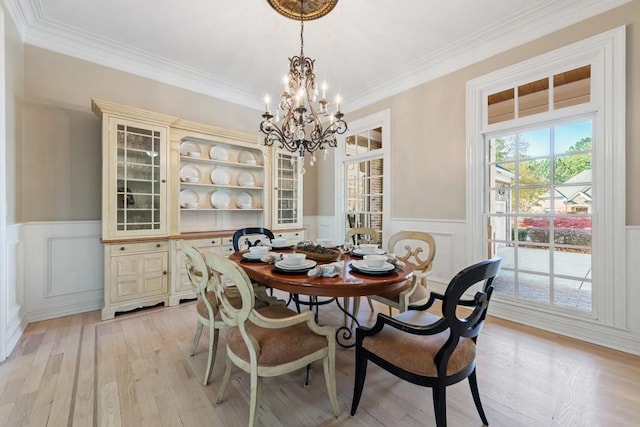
62,154
428,128
13,106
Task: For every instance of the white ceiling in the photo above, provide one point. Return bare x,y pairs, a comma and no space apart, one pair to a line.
237,50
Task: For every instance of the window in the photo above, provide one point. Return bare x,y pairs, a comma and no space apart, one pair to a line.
363,181
538,207
546,184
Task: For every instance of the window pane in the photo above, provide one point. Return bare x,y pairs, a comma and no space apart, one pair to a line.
535,143
534,287
573,294
501,106
572,87
533,97
534,229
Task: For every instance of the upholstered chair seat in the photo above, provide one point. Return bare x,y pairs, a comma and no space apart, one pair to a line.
279,346
416,353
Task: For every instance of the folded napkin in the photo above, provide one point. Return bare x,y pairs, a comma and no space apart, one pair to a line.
272,257
327,270
392,259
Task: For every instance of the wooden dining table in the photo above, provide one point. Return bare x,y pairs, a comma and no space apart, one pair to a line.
349,283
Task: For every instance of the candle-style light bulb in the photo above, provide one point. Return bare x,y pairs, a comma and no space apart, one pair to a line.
285,80
324,90
338,101
267,101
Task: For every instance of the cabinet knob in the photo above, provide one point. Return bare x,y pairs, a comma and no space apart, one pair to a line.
213,242
163,180
165,273
158,245
122,248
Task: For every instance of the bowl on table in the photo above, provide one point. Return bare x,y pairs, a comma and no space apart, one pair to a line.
295,259
259,251
368,248
374,261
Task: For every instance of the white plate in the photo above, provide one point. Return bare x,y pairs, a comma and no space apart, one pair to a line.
220,177
361,265
244,201
218,152
308,263
247,158
220,199
245,179
188,198
249,255
188,148
378,251
189,173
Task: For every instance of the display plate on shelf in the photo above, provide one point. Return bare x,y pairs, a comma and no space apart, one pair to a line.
247,158
189,199
245,179
244,200
218,152
220,199
189,149
189,173
220,177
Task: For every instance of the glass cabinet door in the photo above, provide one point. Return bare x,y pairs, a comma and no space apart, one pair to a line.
288,186
140,179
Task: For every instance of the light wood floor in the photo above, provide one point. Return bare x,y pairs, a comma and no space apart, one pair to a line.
136,370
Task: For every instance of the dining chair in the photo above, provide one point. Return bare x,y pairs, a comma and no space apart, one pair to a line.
359,235
207,304
269,341
429,350
252,237
416,249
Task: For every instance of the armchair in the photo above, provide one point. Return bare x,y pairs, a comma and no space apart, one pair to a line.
429,350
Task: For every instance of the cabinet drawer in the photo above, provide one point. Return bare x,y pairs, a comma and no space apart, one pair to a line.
200,243
124,248
226,250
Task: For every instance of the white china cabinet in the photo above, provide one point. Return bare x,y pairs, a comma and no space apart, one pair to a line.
169,182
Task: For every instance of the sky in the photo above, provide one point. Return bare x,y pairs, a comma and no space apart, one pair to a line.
565,137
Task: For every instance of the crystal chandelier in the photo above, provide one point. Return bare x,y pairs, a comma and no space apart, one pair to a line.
301,130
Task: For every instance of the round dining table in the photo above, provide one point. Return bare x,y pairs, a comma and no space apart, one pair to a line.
348,283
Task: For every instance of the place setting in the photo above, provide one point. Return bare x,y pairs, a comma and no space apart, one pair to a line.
258,254
376,265
278,243
294,263
367,249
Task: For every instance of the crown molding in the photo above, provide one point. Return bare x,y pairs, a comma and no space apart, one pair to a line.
538,20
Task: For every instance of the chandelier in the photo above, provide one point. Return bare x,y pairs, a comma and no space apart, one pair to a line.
301,129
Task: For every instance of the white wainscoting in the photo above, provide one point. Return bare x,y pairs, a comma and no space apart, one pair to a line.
451,256
16,321
63,268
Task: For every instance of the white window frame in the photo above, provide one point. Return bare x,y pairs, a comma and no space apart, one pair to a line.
606,53
381,119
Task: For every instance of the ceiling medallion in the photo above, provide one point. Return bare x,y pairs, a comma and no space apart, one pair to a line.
312,9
